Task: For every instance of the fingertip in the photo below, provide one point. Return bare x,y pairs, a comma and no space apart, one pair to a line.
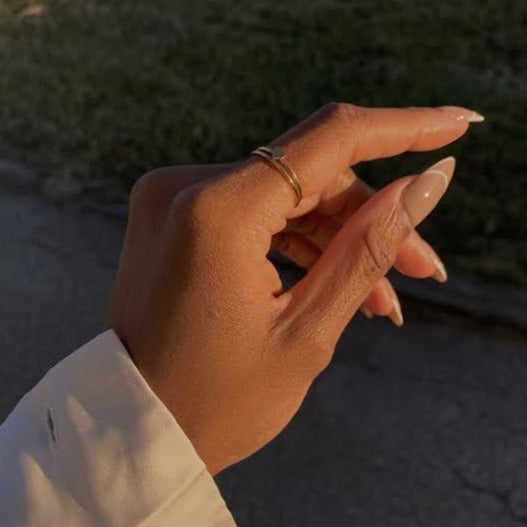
439,273
445,167
422,195
438,131
380,298
396,315
460,113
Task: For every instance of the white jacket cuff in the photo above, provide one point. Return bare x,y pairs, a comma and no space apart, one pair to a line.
92,445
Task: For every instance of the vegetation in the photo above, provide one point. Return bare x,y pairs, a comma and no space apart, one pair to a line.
104,90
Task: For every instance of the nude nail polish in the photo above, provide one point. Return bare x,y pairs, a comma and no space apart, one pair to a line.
440,274
396,316
424,192
463,114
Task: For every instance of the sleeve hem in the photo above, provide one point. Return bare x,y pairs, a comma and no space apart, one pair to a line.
112,453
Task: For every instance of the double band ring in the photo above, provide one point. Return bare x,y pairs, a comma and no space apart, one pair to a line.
276,157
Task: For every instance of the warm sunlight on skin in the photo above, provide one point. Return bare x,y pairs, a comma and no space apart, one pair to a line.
200,307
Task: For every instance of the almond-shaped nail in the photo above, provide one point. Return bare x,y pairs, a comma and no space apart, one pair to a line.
440,274
396,316
463,114
366,312
424,192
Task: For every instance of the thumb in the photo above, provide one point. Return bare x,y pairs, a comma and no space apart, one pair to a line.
319,306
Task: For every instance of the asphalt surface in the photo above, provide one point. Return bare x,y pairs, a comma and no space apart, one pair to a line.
420,426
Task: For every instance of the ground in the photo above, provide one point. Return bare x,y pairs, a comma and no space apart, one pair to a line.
420,426
96,92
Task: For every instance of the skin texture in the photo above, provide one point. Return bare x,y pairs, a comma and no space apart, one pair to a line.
201,309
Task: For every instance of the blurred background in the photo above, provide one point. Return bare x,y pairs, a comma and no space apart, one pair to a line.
99,92
424,425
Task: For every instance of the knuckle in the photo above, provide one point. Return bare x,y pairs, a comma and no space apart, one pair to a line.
148,200
333,108
349,119
381,240
201,200
197,209
344,113
377,252
154,191
144,189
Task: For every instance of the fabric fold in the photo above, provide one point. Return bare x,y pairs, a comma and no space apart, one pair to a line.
92,445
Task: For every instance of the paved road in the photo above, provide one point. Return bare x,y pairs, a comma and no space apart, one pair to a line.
424,426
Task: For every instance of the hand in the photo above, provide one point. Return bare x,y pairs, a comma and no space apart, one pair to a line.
306,236
201,309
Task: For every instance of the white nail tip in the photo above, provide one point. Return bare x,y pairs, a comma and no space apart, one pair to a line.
476,118
440,274
396,316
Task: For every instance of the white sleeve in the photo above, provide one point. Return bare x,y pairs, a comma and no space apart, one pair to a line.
92,445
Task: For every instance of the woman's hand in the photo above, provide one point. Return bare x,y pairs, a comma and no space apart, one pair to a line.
306,235
202,310
305,238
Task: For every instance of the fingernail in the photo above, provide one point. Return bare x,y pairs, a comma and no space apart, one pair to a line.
463,114
440,275
396,316
423,193
366,312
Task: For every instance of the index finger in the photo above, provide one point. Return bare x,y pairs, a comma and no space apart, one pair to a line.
339,135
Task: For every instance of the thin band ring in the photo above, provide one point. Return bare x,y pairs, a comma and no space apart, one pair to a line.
279,155
276,156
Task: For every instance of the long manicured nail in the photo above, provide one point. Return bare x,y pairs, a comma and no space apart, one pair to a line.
423,193
440,274
396,316
366,312
463,114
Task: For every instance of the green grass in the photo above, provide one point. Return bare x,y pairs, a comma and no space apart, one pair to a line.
95,91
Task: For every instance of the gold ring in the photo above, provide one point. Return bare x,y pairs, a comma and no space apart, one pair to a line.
276,157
